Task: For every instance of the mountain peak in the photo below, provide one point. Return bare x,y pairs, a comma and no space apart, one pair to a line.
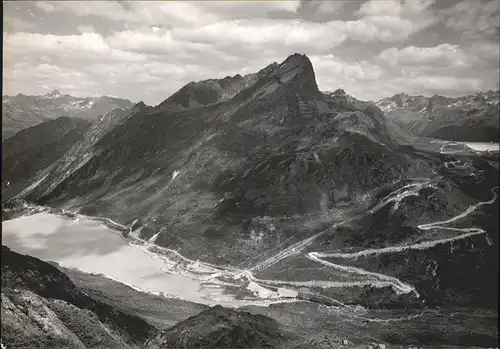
297,56
299,68
296,68
400,95
206,92
298,59
53,94
139,107
270,68
399,98
438,99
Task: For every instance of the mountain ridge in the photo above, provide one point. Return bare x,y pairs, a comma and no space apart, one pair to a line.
37,148
210,91
466,118
23,111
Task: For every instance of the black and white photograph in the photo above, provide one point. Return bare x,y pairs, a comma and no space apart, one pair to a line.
294,174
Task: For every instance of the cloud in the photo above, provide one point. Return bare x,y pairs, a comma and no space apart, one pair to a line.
336,69
170,13
257,36
47,77
443,55
444,69
437,84
85,29
247,9
148,50
368,81
86,46
32,42
485,52
392,20
13,24
377,20
328,7
45,6
107,9
361,79
473,18
381,8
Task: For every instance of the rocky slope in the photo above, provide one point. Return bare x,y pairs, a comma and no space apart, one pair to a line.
220,327
42,308
211,91
65,154
468,118
22,111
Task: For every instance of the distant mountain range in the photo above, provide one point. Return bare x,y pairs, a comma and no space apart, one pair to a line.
23,111
468,118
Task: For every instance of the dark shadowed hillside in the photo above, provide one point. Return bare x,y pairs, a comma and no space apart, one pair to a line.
36,148
66,154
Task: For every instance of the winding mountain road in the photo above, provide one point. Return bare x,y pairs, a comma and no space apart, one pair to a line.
397,284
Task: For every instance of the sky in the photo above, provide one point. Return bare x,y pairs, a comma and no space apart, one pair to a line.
145,51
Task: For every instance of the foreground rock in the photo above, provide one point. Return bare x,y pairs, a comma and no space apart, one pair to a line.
219,327
42,308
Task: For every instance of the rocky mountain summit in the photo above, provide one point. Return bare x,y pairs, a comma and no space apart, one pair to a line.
468,118
23,111
211,91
